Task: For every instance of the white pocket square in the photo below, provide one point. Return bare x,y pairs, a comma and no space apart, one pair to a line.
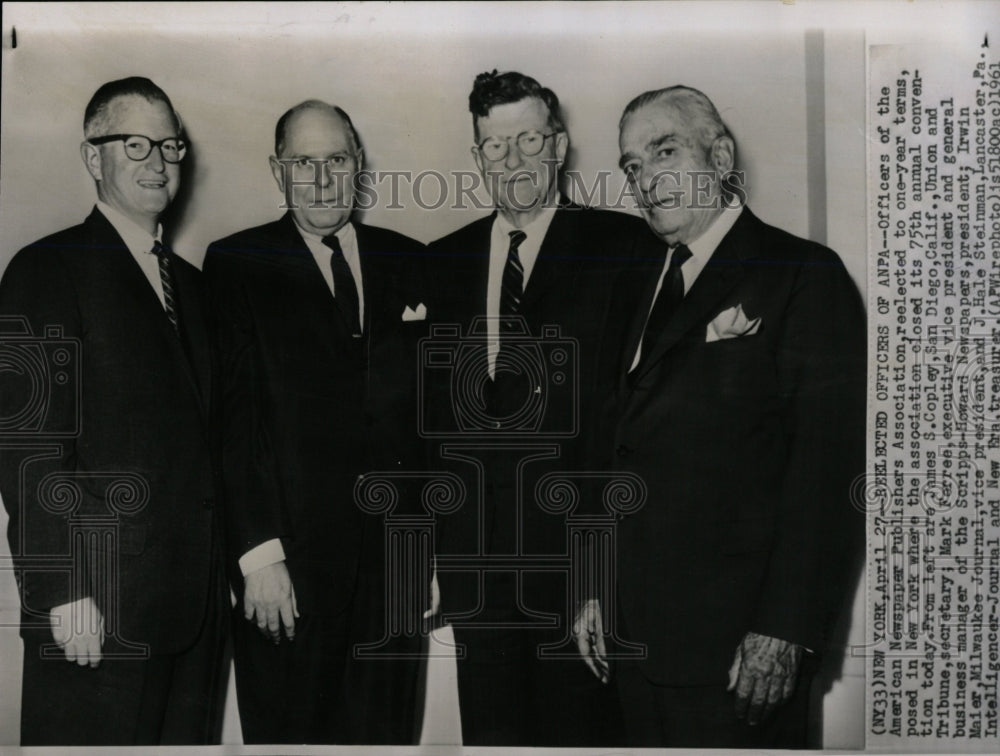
410,314
731,324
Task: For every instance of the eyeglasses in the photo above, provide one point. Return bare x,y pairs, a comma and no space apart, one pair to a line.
529,143
138,147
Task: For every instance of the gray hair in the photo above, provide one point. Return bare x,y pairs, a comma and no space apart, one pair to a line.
692,103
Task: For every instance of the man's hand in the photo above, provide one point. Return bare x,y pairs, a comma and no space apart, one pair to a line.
435,598
268,593
588,632
763,674
78,627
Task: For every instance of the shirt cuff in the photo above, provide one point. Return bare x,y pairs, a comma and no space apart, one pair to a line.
262,555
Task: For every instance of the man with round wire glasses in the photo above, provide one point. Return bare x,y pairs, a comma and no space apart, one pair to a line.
537,265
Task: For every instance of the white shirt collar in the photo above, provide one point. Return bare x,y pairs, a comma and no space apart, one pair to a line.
136,238
536,229
345,234
529,248
705,245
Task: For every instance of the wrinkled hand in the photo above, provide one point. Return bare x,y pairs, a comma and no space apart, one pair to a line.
435,598
763,674
78,627
588,632
268,593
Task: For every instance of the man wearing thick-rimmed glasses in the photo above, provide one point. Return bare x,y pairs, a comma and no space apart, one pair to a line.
112,490
544,260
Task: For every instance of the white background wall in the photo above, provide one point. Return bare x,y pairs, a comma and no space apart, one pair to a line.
404,74
405,85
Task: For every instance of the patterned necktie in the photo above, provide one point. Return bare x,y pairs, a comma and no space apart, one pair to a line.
344,287
169,287
512,283
670,296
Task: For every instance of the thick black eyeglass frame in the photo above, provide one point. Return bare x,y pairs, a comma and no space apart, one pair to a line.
181,145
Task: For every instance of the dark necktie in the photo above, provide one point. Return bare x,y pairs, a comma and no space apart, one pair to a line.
670,296
169,287
508,378
345,290
512,283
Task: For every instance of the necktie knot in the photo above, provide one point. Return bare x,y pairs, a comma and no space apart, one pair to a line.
333,243
516,237
681,255
158,249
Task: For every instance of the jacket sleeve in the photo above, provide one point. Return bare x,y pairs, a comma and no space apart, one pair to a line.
821,366
254,507
40,402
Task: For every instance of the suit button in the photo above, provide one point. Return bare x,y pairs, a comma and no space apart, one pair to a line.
623,451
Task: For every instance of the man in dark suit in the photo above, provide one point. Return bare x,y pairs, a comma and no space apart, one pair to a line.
111,486
546,261
317,323
741,403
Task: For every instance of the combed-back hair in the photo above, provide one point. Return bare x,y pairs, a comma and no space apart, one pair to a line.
692,103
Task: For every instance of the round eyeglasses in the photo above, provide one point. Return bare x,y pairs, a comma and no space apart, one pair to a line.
138,147
529,144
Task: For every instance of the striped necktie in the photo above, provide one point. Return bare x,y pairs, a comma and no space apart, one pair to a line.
512,283
169,287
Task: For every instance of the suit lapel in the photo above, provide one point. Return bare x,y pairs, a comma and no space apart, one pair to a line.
123,266
653,255
193,329
373,278
723,272
556,255
373,283
467,275
311,288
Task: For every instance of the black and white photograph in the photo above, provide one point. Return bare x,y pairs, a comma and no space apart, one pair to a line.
430,377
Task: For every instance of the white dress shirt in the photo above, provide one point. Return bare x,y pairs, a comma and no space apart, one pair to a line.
702,250
139,243
270,552
527,252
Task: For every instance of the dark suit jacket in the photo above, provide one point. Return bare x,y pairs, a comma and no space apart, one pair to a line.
307,407
140,398
748,447
569,288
